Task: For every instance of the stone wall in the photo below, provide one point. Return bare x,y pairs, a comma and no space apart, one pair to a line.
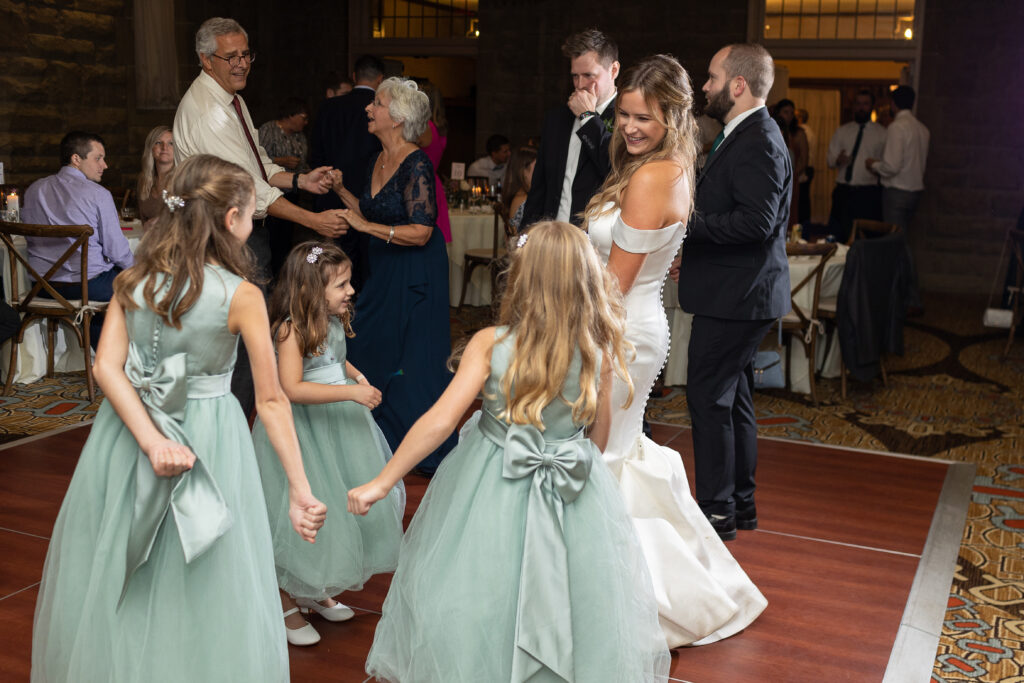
971,97
62,66
521,72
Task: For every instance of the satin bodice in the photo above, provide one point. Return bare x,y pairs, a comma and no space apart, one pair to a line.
329,366
646,324
204,334
557,415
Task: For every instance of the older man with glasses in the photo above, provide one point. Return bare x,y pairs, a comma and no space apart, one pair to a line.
212,119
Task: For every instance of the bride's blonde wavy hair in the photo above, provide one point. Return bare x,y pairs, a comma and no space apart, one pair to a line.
559,298
665,87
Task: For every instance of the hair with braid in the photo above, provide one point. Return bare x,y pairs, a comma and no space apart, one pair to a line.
299,302
559,298
177,247
665,87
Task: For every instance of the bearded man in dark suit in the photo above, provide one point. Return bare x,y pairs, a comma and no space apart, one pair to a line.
734,278
573,162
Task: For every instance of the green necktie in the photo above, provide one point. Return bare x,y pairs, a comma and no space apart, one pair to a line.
717,143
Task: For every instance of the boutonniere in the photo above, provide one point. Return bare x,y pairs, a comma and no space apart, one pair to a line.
609,125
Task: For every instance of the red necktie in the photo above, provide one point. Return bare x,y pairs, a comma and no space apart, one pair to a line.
248,136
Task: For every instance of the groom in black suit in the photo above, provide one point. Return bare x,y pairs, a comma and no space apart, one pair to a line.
341,140
572,162
734,278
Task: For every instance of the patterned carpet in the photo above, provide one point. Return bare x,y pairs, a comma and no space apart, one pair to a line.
950,396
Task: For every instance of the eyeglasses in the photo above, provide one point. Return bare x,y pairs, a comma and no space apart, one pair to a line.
236,60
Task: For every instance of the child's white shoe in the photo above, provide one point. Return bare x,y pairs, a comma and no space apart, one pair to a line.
337,612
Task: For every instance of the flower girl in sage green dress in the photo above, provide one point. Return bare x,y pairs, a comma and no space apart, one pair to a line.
341,445
521,562
160,567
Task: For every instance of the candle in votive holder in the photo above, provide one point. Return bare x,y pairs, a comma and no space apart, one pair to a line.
12,202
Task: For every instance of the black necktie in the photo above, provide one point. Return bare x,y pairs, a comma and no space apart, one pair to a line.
853,155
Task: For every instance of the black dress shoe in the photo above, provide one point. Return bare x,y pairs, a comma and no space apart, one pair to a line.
746,517
724,526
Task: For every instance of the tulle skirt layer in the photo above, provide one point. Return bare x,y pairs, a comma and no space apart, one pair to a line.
215,619
342,448
450,615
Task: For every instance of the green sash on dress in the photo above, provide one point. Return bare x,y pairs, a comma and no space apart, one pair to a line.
560,469
193,497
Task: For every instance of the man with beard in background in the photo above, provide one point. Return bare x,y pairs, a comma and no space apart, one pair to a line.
734,278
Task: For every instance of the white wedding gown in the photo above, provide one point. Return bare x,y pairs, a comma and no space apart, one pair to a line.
703,594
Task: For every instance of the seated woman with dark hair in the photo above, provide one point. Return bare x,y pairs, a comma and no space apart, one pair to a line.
518,178
283,139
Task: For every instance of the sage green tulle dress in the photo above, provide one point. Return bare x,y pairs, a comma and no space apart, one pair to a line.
521,562
342,448
164,580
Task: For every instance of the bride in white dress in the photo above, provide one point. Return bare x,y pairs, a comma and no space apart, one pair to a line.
637,222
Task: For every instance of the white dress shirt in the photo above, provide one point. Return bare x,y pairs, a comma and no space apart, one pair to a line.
206,123
906,151
485,167
872,145
572,161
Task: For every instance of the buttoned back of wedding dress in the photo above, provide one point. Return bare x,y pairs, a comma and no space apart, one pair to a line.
646,324
703,594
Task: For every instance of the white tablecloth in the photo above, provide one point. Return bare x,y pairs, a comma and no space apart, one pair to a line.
68,356
680,323
470,231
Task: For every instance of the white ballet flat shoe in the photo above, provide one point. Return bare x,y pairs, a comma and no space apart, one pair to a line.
301,637
336,613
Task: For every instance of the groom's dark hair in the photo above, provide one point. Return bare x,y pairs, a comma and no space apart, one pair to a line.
591,40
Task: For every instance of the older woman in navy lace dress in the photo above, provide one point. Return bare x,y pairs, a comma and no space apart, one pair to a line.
401,322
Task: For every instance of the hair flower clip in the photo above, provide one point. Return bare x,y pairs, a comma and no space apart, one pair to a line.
522,241
173,201
314,254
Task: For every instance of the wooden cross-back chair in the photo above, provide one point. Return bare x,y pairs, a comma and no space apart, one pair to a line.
75,313
802,322
865,227
492,258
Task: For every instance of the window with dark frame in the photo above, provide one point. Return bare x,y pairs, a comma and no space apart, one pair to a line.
839,20
424,19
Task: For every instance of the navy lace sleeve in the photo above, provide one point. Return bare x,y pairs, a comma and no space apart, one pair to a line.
418,192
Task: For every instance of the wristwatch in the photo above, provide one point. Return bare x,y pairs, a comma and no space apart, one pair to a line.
585,114
295,182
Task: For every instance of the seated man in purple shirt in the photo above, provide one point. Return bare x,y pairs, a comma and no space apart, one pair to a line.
74,197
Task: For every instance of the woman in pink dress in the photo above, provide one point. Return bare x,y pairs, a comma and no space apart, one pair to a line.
433,142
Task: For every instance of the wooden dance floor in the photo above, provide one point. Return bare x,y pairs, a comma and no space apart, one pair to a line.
841,537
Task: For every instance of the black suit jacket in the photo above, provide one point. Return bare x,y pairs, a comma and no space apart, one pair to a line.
340,139
734,258
549,173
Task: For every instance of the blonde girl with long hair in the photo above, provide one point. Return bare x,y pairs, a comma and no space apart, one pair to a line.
163,530
521,561
311,314
637,222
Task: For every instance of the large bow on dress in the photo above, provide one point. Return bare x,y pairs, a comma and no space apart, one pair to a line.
193,498
559,471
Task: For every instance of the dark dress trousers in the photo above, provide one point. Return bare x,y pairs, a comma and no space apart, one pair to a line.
734,278
549,173
340,140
